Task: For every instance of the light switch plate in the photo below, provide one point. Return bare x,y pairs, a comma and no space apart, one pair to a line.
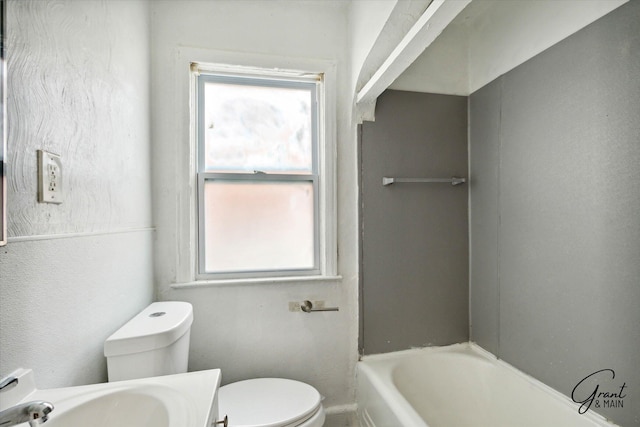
49,177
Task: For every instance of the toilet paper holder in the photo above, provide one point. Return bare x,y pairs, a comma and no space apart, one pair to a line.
307,307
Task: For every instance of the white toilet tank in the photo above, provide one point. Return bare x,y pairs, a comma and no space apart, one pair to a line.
155,342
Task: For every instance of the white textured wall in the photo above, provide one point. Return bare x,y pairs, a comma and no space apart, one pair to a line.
247,330
73,273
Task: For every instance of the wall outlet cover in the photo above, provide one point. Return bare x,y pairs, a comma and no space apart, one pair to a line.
49,177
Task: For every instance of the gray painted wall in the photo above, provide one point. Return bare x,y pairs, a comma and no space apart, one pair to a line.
414,236
555,212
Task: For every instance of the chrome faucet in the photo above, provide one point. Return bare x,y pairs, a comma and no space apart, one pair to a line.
36,413
8,383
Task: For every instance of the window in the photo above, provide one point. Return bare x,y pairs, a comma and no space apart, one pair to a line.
259,181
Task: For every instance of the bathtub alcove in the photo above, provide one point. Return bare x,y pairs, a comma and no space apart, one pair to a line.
543,276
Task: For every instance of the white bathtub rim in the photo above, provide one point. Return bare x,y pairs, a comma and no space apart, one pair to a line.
395,355
412,418
400,407
385,362
561,398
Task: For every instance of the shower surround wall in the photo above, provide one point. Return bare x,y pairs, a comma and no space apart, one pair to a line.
71,274
414,236
555,202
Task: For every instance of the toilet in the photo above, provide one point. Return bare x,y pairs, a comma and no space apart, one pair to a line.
156,342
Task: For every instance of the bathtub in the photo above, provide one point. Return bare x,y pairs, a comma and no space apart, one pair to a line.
458,386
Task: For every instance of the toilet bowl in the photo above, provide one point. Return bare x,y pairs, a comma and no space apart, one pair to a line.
156,342
273,402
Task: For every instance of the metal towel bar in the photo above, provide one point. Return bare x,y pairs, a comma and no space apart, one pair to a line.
453,180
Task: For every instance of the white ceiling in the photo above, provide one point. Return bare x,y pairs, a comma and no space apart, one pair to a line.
490,37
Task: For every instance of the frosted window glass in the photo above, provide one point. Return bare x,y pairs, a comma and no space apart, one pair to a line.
264,128
260,226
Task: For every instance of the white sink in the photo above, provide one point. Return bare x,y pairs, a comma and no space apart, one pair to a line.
182,400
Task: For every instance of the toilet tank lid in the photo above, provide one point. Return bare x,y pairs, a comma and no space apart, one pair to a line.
157,326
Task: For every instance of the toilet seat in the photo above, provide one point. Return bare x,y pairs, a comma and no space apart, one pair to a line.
270,402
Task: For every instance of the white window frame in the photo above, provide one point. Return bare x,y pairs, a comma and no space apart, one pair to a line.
323,73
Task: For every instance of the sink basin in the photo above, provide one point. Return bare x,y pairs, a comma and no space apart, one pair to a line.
185,400
132,406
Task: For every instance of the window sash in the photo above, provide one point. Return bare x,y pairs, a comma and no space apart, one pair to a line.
256,178
314,86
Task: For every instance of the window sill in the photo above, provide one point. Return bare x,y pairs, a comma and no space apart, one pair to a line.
257,281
